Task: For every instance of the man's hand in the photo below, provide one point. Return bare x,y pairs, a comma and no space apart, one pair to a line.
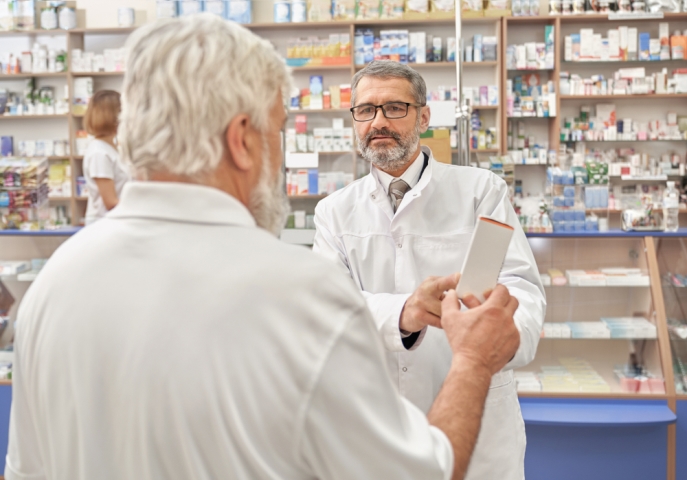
423,307
485,335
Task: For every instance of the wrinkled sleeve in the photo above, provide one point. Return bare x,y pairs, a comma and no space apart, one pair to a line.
386,308
367,430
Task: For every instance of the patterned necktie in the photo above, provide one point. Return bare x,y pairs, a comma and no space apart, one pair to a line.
397,189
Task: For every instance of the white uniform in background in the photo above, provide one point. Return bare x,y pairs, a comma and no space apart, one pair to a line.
388,256
102,161
174,339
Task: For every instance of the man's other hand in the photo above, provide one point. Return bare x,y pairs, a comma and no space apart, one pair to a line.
423,307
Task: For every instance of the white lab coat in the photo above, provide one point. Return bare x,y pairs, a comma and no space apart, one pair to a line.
388,256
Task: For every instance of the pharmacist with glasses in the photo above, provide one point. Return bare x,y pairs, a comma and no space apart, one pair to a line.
402,233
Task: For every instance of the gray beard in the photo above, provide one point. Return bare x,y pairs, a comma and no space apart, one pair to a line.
268,203
394,157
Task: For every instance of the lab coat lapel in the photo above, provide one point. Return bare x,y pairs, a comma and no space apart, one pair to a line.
423,186
376,194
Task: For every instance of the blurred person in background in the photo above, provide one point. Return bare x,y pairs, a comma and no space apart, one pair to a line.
103,168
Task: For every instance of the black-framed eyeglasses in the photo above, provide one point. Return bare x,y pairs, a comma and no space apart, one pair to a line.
391,110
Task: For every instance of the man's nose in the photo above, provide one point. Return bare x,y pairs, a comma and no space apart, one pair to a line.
380,121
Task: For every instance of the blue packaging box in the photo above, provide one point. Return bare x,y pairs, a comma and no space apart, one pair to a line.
6,146
591,225
313,181
644,43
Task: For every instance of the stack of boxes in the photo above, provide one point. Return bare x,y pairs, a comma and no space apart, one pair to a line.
626,81
239,11
335,139
314,51
625,44
111,60
402,46
528,97
533,55
60,179
601,123
483,49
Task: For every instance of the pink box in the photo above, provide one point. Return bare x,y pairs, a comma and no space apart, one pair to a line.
483,95
657,385
644,386
629,385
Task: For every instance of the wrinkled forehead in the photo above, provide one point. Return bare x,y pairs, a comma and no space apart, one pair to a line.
379,90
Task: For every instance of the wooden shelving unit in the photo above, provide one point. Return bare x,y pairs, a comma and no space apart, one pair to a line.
32,117
653,96
19,76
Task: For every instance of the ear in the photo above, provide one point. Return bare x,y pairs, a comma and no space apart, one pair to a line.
240,142
424,119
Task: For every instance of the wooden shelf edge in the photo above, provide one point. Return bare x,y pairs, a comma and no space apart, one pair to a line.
98,74
20,76
306,197
651,96
31,117
324,110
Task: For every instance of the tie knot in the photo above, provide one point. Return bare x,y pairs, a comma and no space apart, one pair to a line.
397,189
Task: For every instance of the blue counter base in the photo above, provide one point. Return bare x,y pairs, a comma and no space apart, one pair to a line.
681,441
583,439
596,453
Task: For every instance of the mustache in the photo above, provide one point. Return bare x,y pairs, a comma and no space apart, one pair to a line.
384,131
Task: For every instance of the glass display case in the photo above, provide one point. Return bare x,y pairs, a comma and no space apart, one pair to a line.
602,328
671,254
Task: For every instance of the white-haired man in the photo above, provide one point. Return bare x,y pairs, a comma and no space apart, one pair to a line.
178,339
403,231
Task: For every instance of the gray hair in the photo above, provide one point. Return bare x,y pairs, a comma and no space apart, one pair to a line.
392,69
185,80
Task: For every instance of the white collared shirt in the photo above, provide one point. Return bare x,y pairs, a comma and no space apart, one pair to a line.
411,176
175,339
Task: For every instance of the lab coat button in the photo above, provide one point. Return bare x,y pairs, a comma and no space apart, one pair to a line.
373,197
399,245
405,369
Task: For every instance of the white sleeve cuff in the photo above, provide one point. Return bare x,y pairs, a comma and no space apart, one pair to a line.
386,310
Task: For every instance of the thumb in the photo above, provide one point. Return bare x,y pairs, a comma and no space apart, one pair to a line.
443,284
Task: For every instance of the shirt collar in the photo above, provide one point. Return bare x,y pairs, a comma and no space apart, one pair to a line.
181,202
411,176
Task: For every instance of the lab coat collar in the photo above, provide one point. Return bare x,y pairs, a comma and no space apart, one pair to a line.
373,185
181,202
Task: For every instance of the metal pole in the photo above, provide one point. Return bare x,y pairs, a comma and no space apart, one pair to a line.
463,108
